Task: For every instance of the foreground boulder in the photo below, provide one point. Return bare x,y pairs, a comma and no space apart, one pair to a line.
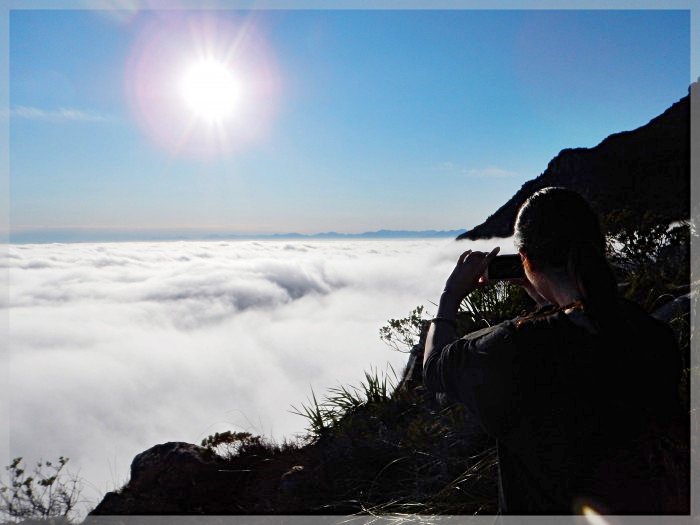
678,308
163,480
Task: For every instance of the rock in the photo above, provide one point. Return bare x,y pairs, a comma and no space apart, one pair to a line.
168,463
113,504
413,371
175,472
290,479
679,307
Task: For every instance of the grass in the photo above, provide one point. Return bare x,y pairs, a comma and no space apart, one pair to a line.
397,451
371,449
321,416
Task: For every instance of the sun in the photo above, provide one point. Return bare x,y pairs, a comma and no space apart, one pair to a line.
210,90
201,85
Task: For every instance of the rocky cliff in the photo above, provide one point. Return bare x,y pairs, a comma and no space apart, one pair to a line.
647,169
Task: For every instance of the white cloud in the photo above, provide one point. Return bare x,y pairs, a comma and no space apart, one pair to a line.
57,115
117,347
484,172
489,172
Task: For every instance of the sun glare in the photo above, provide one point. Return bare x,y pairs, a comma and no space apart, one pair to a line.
592,515
210,90
202,85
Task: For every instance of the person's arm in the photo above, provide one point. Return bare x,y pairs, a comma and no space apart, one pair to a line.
478,368
470,268
442,331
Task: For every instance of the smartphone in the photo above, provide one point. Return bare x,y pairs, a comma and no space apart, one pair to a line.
506,267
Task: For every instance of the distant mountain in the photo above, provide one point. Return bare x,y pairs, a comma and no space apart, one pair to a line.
644,169
379,234
40,236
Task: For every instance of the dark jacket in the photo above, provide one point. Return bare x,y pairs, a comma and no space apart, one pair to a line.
573,409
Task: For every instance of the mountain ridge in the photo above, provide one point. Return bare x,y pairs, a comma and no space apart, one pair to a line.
639,170
66,236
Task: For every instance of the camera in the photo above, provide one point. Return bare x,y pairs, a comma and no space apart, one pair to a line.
506,267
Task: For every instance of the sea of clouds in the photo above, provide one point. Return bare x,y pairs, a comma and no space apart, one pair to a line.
116,347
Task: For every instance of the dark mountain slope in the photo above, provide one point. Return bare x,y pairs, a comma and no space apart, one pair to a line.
647,169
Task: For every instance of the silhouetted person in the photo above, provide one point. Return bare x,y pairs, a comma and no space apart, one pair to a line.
576,394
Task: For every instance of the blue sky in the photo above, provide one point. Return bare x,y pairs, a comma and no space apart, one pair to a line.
349,120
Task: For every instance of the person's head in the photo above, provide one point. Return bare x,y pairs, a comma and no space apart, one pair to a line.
560,241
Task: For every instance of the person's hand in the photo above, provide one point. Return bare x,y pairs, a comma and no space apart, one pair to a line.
468,274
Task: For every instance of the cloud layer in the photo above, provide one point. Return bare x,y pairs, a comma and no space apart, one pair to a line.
116,347
57,115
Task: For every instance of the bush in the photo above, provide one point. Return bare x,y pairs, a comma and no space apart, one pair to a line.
492,304
229,446
483,307
651,256
49,492
402,334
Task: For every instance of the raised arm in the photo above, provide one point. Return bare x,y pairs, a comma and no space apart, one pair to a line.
468,274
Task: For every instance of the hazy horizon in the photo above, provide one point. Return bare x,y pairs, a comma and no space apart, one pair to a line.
86,235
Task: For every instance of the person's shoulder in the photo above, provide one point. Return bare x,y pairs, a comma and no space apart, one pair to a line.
502,329
548,328
490,338
634,318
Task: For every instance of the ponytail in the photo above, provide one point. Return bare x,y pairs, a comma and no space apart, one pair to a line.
592,274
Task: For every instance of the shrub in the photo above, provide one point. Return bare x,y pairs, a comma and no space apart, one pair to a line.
229,445
402,334
651,256
492,304
483,307
49,492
